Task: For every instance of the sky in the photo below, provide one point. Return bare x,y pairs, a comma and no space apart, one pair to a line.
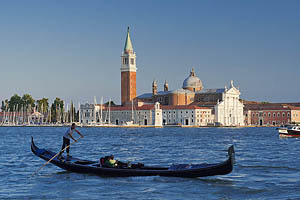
71,49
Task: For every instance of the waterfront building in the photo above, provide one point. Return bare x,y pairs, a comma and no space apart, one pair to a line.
37,118
91,114
21,118
146,115
266,114
223,102
189,115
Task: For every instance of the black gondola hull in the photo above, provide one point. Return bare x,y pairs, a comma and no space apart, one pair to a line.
93,167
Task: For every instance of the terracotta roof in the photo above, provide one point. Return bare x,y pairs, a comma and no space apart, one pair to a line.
151,107
183,107
14,113
258,102
270,106
129,108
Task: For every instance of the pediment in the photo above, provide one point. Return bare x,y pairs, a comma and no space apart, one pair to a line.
233,90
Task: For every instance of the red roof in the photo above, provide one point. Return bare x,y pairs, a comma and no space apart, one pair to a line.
183,107
271,106
14,113
151,107
123,108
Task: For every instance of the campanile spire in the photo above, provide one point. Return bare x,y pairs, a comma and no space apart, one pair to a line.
128,45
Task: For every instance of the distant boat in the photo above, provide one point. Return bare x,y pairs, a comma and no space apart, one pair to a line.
291,131
94,167
283,128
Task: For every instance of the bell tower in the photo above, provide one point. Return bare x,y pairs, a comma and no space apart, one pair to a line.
128,72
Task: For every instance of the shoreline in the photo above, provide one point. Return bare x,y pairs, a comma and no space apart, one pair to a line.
136,126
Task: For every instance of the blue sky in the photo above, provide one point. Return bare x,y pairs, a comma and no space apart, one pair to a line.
71,49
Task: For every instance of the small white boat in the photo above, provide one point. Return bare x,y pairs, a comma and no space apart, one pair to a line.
292,131
283,129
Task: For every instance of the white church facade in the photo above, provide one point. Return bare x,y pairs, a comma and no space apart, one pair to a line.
229,111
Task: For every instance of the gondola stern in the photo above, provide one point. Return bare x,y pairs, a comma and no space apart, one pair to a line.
33,146
231,154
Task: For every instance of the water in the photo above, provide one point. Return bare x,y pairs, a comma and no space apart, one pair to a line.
267,167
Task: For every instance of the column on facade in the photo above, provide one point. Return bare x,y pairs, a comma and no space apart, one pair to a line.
235,111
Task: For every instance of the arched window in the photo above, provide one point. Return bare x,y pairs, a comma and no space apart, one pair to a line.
125,61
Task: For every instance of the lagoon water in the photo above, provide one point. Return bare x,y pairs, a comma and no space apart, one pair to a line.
267,167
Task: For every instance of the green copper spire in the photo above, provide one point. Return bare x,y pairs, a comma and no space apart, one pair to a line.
128,45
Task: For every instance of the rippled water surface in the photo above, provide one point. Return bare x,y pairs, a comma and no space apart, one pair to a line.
267,167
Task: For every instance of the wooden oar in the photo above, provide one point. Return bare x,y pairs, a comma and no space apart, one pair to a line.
54,157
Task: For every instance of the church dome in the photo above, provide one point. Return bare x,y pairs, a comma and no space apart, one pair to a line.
192,83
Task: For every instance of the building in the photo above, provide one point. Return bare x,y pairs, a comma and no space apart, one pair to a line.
189,105
229,109
189,115
146,115
89,113
96,114
21,118
223,102
128,72
266,114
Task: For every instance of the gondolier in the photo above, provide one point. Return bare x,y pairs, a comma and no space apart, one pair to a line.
66,139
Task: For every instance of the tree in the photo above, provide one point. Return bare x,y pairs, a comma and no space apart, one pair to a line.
28,102
57,108
4,105
43,105
14,104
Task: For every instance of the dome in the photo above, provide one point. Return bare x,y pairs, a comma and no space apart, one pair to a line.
192,82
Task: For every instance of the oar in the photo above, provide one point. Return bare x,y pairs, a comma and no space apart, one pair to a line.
54,157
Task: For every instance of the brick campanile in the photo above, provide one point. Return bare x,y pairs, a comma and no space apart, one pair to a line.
128,72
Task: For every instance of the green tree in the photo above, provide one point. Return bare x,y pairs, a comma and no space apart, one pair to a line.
14,104
43,105
57,108
4,105
28,102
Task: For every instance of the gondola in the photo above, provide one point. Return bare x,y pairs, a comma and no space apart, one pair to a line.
94,167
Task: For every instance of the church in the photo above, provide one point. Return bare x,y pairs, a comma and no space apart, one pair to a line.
191,105
223,102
